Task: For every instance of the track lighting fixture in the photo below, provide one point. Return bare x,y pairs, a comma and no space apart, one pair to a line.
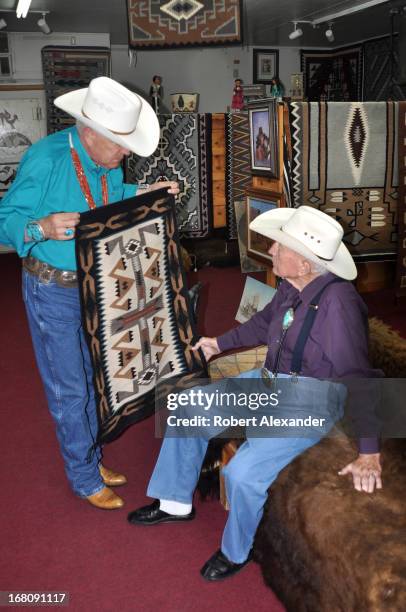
329,33
297,32
42,24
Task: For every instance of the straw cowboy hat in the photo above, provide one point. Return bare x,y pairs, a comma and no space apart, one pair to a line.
311,233
115,112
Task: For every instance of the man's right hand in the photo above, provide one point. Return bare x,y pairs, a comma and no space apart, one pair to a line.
55,225
209,347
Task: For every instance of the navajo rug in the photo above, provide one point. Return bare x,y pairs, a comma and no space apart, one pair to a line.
401,263
345,163
156,24
136,311
238,166
183,155
333,75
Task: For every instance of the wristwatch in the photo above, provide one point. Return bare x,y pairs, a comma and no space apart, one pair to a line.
35,232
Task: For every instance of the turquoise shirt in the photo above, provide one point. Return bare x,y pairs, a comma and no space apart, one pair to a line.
46,183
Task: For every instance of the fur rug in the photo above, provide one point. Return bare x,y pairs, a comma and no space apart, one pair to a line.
387,349
322,546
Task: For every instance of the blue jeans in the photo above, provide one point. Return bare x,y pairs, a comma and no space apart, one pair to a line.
63,361
250,472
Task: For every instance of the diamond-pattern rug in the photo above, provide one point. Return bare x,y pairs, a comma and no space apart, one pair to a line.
156,24
345,163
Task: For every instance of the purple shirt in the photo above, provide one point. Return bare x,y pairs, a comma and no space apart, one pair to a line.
337,346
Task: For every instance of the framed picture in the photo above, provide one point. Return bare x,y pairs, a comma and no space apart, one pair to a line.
266,65
255,297
263,122
259,202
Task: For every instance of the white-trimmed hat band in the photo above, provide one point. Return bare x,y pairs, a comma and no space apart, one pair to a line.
109,129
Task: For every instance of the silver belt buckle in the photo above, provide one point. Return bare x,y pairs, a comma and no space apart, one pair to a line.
267,378
45,274
67,278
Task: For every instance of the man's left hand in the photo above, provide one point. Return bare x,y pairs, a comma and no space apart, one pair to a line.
366,472
171,186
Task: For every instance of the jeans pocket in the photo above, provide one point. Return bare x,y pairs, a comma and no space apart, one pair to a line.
59,304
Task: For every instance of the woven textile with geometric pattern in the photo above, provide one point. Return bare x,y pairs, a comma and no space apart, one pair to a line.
178,23
183,155
333,75
345,163
238,165
135,307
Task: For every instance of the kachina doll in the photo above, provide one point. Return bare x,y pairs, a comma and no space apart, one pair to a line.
237,103
156,93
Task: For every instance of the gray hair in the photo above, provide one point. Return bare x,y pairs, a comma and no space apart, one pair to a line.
317,268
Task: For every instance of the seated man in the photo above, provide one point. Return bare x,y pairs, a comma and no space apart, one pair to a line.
315,326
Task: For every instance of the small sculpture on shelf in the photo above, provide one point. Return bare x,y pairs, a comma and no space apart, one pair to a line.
237,103
156,92
297,86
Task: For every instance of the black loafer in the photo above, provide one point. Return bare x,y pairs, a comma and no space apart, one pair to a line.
152,515
218,567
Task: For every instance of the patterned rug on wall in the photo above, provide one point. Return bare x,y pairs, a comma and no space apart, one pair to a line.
377,70
183,155
333,75
401,262
135,304
156,24
345,163
238,166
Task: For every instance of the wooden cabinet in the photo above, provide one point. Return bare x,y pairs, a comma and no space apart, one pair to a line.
218,150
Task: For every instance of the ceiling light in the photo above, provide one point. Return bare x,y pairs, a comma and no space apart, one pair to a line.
297,32
22,8
329,33
42,24
3,23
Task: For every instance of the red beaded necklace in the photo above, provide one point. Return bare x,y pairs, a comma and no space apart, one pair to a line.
84,185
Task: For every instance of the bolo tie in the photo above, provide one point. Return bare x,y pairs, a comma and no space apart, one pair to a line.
287,321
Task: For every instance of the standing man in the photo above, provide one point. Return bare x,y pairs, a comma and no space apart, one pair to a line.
59,177
316,330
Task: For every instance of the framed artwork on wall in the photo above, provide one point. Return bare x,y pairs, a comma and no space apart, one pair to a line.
266,65
263,122
259,202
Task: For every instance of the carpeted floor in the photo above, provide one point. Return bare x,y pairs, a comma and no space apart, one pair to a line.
52,541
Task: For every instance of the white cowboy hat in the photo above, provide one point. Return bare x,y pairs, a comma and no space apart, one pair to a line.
310,232
115,112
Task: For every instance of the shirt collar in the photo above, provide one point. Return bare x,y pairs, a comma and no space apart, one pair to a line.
87,162
310,291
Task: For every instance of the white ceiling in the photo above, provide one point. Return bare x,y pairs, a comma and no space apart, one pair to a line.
265,22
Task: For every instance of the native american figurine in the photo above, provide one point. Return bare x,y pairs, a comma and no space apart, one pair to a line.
156,92
237,103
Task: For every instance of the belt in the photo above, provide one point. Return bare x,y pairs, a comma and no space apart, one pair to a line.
48,274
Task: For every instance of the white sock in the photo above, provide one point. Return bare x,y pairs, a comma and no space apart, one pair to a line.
174,507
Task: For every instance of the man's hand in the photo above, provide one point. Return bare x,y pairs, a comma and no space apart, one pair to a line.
55,225
209,347
366,472
171,186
